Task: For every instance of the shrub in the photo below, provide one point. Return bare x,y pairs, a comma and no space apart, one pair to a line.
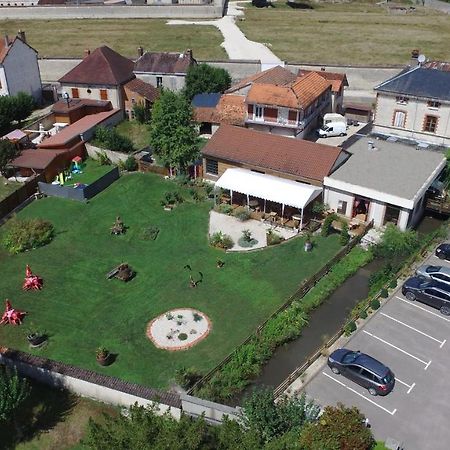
187,377
197,317
274,238
130,164
221,240
171,198
350,328
103,159
363,314
110,139
384,293
141,113
379,278
225,208
182,336
344,237
182,180
326,226
197,195
241,213
397,244
374,303
393,284
150,233
319,208
26,234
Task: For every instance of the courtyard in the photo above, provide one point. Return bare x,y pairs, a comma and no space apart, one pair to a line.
81,310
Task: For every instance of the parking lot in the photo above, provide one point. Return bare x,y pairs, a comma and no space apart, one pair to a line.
412,339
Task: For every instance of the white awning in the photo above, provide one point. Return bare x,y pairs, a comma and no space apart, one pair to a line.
268,187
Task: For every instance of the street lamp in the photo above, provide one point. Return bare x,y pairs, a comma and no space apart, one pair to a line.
66,97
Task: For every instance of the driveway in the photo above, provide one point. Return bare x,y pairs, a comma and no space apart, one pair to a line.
412,339
338,140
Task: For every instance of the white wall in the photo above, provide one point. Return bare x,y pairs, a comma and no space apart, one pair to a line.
22,71
332,197
416,110
3,84
114,93
173,82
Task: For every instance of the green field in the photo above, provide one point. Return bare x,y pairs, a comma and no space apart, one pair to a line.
81,310
8,187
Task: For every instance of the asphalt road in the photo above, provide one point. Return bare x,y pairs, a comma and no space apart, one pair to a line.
412,339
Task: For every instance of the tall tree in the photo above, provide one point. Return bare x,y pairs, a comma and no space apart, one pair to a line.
337,428
6,114
8,151
205,78
14,390
173,134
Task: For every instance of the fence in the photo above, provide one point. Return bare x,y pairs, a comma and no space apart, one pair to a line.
19,196
81,195
403,272
298,294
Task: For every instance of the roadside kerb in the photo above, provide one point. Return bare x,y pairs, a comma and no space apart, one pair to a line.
409,266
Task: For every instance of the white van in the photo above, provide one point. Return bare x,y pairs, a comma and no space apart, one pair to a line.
333,129
333,117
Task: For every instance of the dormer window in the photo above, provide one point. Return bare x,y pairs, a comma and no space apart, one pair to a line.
259,113
401,100
433,104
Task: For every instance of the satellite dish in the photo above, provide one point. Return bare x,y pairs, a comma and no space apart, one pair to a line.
421,59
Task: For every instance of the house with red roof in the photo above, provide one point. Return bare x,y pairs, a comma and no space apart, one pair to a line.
19,69
138,92
101,75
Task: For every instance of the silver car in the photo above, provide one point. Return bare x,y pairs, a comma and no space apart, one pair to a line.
437,273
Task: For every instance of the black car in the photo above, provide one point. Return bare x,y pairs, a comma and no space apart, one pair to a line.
443,251
363,370
427,291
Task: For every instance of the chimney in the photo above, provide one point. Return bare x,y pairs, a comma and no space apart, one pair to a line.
140,51
414,55
21,36
188,53
87,52
6,40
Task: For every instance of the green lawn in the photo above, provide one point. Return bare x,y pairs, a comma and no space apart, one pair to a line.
139,133
8,187
81,310
92,171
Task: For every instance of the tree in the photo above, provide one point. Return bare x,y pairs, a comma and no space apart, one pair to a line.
13,392
205,78
338,428
141,113
22,106
8,151
272,420
396,244
172,133
6,114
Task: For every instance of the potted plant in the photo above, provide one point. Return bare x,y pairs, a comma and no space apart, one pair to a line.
102,356
36,338
308,241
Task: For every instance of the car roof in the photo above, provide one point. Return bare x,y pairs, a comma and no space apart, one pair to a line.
372,364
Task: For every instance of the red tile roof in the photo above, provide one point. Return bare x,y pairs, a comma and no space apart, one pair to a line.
164,62
102,66
230,110
309,87
337,79
36,159
278,76
62,107
437,65
80,126
297,157
144,89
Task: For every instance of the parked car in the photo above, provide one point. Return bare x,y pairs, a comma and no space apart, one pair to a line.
333,129
363,370
437,273
430,292
443,251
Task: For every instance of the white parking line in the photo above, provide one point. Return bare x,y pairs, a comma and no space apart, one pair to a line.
362,396
427,364
423,309
414,329
410,386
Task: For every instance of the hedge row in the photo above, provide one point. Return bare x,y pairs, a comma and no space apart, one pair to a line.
248,359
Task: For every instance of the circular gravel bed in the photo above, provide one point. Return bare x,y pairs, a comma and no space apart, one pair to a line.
178,329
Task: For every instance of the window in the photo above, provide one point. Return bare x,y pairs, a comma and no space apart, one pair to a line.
342,207
103,94
133,101
212,166
257,171
399,119
430,124
401,100
259,113
283,115
159,82
75,93
366,374
434,105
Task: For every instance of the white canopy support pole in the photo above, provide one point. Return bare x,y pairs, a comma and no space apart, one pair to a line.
231,196
265,206
282,210
248,200
301,221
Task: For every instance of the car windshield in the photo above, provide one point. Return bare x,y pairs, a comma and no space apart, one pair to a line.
350,357
388,378
431,269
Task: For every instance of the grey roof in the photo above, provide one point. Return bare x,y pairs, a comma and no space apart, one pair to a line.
395,169
206,100
421,82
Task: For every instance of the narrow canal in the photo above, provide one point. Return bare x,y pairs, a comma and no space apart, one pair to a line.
324,322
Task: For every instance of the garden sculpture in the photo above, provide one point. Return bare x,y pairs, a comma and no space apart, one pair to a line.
32,282
193,283
11,315
118,227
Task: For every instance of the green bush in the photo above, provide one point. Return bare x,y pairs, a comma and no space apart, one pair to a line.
374,304
274,238
363,314
221,240
393,284
319,208
27,234
110,139
130,164
344,237
183,180
103,159
384,293
187,377
350,328
241,213
171,198
326,226
225,208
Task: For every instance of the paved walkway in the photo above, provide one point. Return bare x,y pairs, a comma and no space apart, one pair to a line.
234,228
235,43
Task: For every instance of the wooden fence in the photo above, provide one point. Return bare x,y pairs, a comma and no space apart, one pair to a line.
405,271
19,196
301,291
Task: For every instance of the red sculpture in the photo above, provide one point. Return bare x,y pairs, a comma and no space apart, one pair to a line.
32,282
11,315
